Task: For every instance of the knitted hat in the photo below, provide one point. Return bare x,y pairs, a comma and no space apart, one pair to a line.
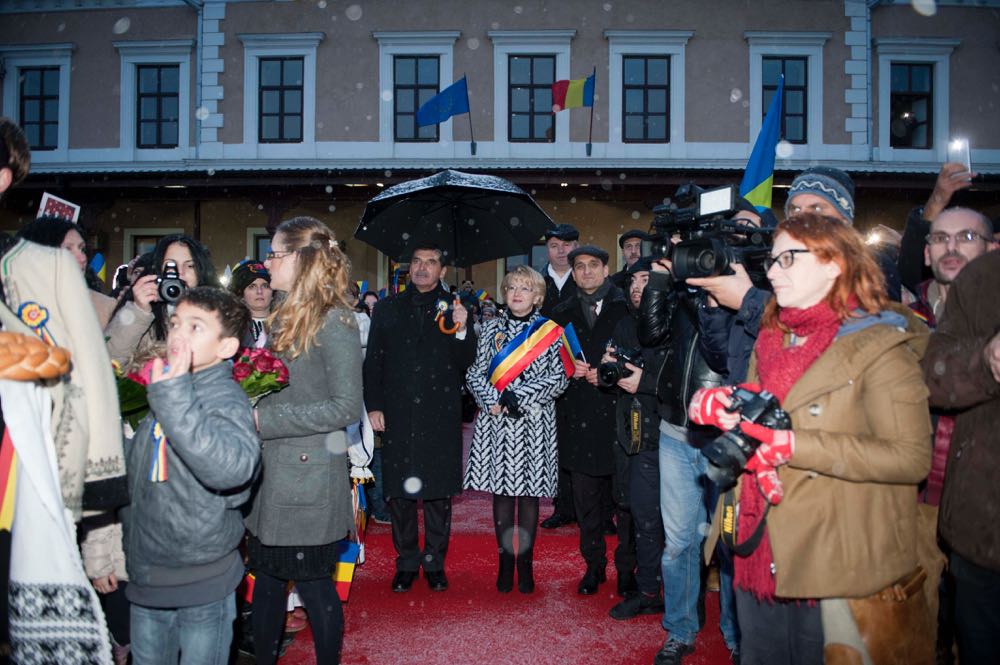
829,183
245,274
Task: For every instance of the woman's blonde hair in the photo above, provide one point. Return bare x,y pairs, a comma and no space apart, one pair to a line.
531,276
319,286
860,284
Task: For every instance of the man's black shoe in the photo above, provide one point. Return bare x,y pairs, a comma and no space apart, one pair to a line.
556,521
627,585
403,580
609,528
436,580
672,653
591,580
636,604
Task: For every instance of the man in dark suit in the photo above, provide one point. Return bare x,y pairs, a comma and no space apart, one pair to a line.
559,285
585,414
630,243
413,374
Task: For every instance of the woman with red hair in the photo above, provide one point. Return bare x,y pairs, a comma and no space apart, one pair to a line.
834,575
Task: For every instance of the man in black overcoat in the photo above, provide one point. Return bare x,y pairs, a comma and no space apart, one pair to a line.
585,414
413,374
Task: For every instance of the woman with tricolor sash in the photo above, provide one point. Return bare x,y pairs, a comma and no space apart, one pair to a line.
518,373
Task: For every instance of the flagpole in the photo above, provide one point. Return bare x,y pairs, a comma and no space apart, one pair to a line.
590,132
472,135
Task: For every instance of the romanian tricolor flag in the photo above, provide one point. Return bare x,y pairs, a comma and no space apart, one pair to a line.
571,94
759,175
158,465
343,570
482,295
8,481
521,351
570,349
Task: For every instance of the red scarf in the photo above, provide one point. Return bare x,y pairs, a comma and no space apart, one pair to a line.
779,368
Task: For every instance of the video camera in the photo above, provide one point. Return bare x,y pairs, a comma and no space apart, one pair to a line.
728,454
710,241
610,373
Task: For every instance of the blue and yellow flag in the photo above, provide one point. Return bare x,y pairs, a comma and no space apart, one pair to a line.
98,266
759,174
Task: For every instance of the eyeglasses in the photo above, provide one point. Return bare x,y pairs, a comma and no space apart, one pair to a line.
279,254
784,260
517,288
961,237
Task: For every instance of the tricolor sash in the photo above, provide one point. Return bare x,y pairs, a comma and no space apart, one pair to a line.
521,351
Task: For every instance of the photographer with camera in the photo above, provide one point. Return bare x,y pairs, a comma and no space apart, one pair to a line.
631,371
585,420
827,511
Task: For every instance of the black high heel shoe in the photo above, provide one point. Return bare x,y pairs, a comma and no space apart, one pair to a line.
525,576
505,575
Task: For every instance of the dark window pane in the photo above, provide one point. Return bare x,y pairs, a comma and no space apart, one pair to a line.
633,128
32,82
147,108
293,72
919,108
768,98
169,108
634,71
293,127
170,79
405,71
771,70
543,100
51,82
794,100
147,79
657,101
919,136
544,70
520,70
520,100
269,127
147,133
404,126
656,128
519,124
31,132
634,102
427,132
424,95
270,72
795,72
543,123
428,72
51,109
794,129
404,100
168,134
921,79
271,100
293,101
31,111
900,78
657,71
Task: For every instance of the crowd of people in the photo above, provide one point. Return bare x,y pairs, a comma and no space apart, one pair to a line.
791,424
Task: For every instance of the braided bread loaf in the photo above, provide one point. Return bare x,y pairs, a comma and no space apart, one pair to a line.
27,358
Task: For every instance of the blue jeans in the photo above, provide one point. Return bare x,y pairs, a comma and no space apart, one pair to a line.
198,635
685,523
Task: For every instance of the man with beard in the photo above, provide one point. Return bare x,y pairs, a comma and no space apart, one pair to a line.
413,376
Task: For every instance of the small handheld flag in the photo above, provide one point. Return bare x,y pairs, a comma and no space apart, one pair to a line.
759,175
98,266
57,207
571,94
363,286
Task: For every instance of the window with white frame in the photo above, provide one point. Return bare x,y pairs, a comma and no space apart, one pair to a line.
279,87
523,60
798,55
413,67
36,94
646,86
913,88
155,96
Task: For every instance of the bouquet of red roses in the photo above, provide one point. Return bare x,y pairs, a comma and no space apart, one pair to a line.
259,373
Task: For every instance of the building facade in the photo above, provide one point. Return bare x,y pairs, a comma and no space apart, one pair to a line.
220,118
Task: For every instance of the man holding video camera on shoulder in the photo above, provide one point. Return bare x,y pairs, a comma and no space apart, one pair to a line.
668,320
632,370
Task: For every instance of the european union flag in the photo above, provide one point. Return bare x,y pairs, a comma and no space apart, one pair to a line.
759,175
453,100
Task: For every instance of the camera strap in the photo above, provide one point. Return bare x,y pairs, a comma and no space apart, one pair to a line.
729,519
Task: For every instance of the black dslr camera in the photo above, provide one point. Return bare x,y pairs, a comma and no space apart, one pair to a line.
711,242
169,284
610,373
729,453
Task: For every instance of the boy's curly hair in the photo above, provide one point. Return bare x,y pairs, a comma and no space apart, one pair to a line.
232,312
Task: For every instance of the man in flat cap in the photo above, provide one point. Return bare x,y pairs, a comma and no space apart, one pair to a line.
585,414
630,243
559,285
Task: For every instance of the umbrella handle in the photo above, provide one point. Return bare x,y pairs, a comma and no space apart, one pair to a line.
447,331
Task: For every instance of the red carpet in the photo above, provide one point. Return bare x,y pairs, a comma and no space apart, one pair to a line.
473,623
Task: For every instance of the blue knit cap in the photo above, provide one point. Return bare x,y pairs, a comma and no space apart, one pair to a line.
829,183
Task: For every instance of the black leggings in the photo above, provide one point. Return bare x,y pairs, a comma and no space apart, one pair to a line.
527,522
326,617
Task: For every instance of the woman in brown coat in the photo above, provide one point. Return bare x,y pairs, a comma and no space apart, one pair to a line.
835,574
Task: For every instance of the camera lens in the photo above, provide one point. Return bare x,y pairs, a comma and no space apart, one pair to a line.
173,291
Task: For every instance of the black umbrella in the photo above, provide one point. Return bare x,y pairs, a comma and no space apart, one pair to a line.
471,218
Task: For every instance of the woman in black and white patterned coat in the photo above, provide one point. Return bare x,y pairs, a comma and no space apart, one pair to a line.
514,452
